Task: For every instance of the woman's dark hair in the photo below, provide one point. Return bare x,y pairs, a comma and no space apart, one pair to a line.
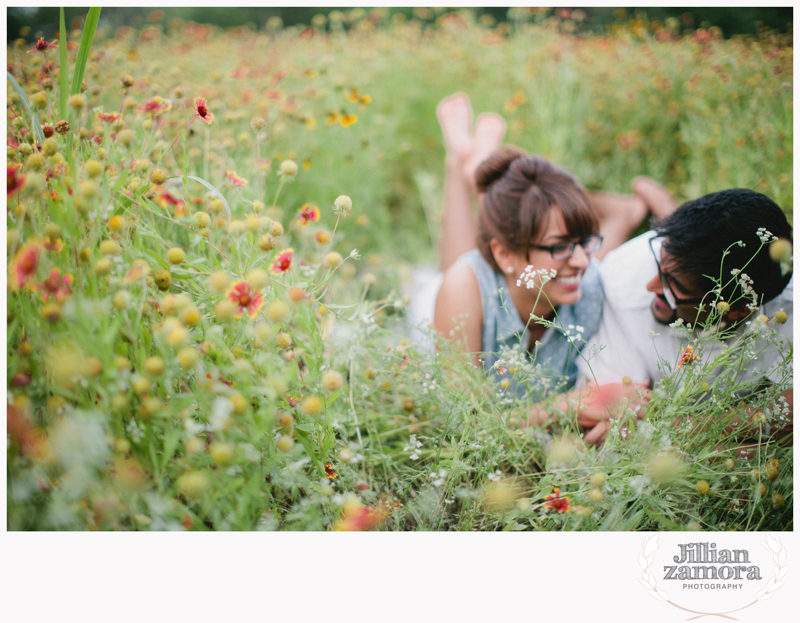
699,232
519,193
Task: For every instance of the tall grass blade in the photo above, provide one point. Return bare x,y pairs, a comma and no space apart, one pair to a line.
213,190
89,28
64,71
37,129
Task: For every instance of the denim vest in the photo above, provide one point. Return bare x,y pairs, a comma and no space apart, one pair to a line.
552,365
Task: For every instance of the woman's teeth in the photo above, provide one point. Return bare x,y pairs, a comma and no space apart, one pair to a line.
569,281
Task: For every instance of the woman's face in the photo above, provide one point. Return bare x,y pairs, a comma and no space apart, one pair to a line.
565,287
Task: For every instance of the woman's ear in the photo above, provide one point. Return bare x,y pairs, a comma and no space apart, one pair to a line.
502,256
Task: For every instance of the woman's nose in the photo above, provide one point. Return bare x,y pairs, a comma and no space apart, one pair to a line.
579,259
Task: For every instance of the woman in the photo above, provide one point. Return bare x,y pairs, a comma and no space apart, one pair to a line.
531,213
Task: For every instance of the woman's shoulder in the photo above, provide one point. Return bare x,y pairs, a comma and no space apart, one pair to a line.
459,291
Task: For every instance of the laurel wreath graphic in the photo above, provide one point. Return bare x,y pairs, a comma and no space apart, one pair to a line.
648,580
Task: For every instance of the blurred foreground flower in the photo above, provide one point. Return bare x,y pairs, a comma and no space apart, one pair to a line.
246,299
556,502
23,265
308,214
283,262
361,518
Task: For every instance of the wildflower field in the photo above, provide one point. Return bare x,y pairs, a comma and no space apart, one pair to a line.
209,236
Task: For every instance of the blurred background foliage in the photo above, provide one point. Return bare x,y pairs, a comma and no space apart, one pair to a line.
32,22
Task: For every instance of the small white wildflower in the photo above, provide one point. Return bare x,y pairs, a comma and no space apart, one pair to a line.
413,446
528,277
495,475
765,236
438,478
221,410
355,254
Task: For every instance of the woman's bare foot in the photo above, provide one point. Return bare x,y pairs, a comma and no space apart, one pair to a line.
455,118
657,198
490,129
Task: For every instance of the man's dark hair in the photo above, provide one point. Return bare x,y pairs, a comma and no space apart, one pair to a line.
698,233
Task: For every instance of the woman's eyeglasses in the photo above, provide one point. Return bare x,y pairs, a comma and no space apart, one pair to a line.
669,295
564,250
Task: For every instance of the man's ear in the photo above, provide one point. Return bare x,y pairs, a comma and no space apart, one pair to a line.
738,312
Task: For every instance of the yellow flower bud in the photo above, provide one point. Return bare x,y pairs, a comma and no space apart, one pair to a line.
154,366
333,259
312,405
288,168
225,310
219,281
284,340
332,380
284,444
278,311
176,255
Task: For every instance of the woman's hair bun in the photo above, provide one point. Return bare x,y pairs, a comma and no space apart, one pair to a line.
495,166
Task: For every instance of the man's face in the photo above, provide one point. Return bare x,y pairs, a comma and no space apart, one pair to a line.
683,290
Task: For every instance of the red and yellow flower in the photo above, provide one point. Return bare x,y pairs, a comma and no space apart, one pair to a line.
56,285
308,214
283,262
108,117
234,179
14,182
687,356
154,106
42,45
555,502
247,300
201,110
24,264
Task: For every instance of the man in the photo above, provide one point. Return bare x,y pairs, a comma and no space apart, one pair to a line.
662,282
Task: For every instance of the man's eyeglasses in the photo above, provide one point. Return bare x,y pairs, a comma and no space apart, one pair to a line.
669,295
564,250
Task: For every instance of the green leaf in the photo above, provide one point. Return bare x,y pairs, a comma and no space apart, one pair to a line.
26,102
64,69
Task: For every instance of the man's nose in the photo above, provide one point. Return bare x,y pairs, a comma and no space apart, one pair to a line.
654,285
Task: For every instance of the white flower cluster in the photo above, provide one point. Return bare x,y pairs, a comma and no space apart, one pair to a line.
413,446
135,431
495,475
438,477
577,336
528,277
765,236
746,283
429,385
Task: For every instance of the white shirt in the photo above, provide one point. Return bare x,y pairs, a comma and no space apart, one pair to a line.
635,345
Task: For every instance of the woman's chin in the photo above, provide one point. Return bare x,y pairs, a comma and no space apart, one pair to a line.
566,296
